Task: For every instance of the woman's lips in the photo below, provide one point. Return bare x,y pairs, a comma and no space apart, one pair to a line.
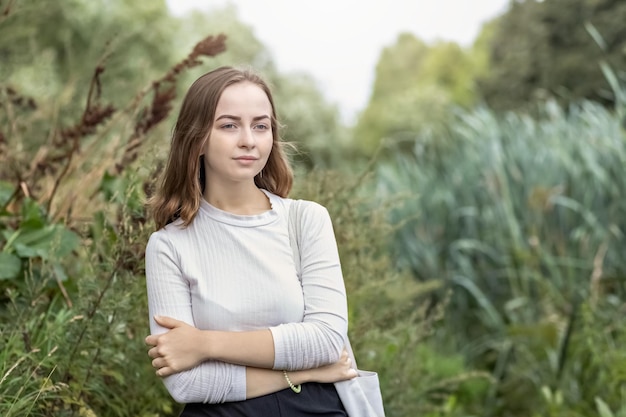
246,160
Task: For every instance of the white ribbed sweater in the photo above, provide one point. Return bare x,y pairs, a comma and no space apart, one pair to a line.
236,273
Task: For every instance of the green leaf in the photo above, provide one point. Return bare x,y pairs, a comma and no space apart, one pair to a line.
597,37
6,191
10,265
110,186
50,242
33,215
603,408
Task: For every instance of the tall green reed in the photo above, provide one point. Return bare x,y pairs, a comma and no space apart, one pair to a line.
523,218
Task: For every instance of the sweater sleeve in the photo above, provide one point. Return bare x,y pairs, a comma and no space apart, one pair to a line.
169,295
320,338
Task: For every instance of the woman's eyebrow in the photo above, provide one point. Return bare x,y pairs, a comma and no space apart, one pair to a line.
228,116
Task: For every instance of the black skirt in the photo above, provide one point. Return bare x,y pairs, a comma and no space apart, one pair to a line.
315,399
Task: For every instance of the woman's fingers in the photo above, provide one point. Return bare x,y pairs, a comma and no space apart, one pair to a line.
151,340
153,352
346,360
168,322
162,369
345,357
158,363
165,371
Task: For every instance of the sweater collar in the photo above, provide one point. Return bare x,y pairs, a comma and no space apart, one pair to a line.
253,220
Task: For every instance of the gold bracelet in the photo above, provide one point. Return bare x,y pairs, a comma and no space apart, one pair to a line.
294,388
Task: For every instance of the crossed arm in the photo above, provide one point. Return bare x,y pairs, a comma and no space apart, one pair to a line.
217,366
184,347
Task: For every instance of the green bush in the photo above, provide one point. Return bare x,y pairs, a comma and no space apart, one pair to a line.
523,219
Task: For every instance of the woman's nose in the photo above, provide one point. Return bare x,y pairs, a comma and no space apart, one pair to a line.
247,139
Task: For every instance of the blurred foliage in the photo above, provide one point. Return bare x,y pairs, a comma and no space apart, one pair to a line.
416,87
552,50
523,218
48,49
310,122
410,62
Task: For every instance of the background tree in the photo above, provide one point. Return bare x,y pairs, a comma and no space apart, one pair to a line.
49,49
309,121
544,49
57,57
416,86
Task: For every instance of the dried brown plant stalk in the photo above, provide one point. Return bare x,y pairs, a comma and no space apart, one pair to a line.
52,165
3,144
93,116
209,46
151,116
148,117
161,104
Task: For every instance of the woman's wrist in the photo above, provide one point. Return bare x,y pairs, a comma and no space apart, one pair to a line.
299,377
297,388
209,344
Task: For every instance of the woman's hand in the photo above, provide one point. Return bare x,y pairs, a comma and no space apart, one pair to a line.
338,371
176,350
261,381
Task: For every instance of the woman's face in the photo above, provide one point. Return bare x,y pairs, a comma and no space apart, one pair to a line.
241,138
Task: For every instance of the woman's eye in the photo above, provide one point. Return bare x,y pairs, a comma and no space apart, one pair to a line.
228,126
262,127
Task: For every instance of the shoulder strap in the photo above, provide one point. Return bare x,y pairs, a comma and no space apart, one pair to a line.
295,215
295,222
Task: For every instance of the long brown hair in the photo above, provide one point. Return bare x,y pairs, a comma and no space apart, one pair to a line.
179,192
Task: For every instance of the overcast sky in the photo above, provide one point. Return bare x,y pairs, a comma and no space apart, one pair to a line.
339,42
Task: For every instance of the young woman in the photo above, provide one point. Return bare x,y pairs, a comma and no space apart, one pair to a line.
234,330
